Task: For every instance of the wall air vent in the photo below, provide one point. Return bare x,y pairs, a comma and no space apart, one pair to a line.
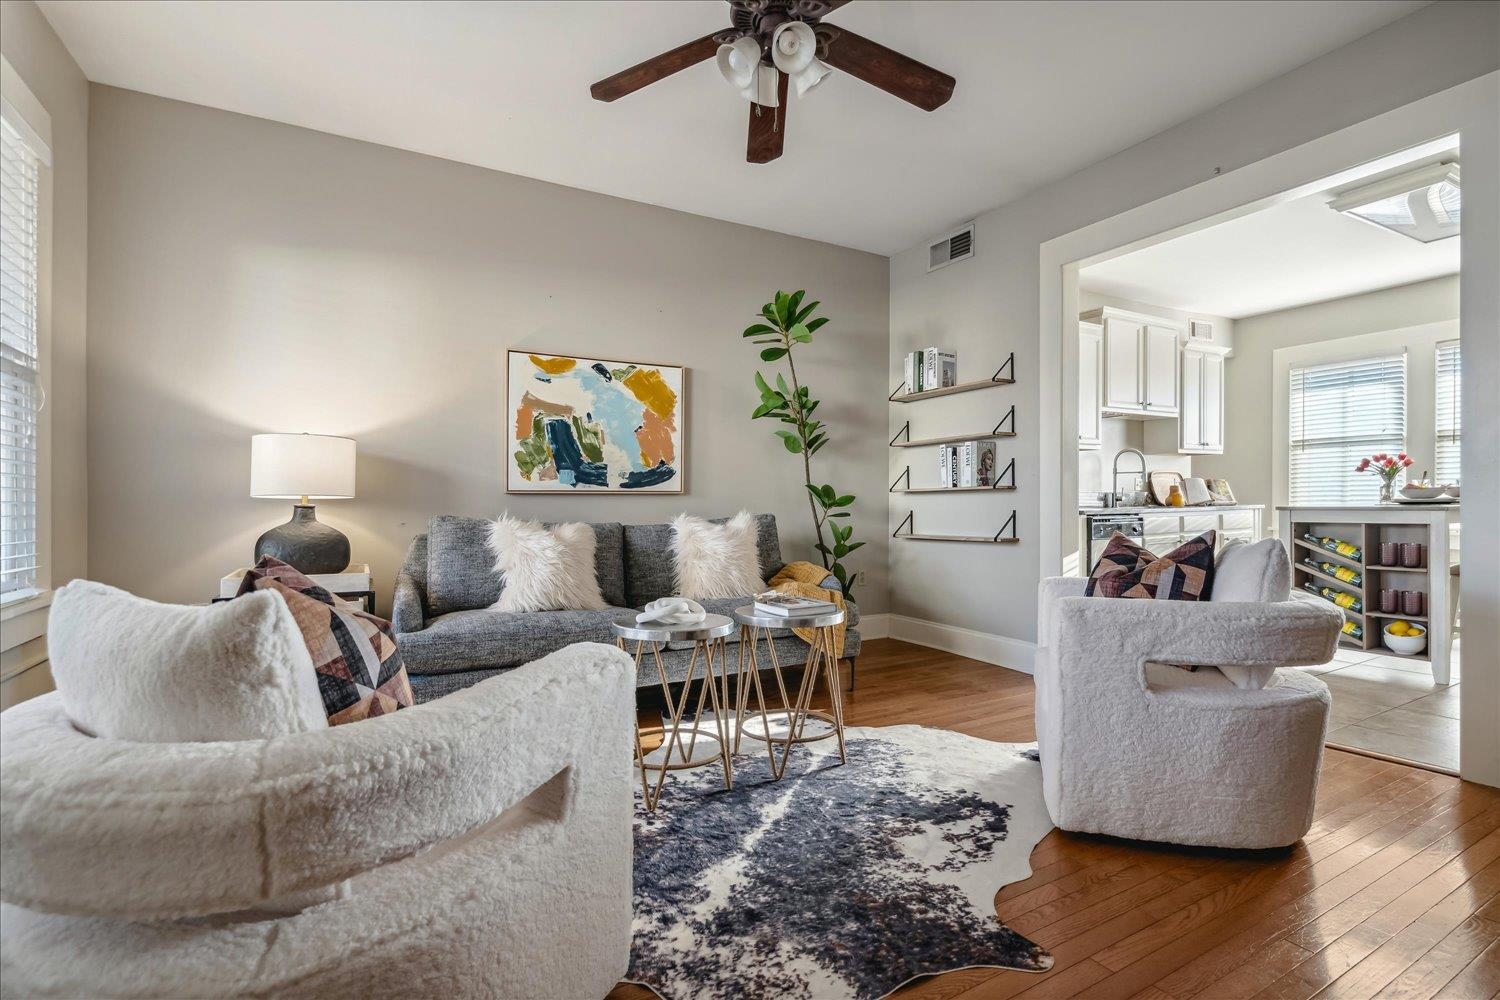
956,246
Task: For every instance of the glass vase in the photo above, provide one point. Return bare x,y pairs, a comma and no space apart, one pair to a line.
1387,492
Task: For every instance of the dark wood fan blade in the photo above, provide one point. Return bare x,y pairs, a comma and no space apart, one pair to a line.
628,81
889,70
768,127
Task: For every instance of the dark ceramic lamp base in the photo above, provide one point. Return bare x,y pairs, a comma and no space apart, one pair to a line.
305,543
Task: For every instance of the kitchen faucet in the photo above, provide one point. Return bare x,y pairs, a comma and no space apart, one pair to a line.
1114,480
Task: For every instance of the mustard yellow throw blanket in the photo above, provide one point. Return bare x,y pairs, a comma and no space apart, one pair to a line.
801,579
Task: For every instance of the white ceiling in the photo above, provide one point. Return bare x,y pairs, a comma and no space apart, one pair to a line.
1288,255
1044,89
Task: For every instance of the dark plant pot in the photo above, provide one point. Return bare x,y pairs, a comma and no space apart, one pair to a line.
305,543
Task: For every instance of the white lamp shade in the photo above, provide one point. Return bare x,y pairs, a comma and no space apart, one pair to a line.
292,466
794,50
737,61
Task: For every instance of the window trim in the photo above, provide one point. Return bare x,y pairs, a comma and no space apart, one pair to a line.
1438,437
25,113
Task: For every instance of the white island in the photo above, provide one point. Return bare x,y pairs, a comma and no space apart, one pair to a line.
1365,527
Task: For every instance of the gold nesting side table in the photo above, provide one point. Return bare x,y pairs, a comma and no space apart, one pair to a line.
789,725
708,639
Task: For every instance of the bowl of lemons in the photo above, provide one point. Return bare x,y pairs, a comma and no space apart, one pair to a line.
1404,637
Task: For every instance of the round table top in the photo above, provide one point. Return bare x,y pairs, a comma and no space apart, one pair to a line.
711,627
747,615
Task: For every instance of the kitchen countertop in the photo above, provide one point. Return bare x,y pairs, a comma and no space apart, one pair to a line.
1372,506
1154,509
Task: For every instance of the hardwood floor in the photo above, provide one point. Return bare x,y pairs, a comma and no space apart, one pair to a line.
1394,892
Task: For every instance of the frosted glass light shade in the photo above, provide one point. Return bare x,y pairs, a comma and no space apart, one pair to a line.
292,466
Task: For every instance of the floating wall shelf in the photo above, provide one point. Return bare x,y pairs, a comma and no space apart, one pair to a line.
997,379
999,486
1000,431
1000,537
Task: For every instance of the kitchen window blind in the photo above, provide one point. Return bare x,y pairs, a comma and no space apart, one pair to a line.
20,370
1341,413
1449,394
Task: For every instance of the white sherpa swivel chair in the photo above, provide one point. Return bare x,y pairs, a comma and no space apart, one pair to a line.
477,846
1224,756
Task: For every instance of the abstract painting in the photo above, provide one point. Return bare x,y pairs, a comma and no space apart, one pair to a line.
587,425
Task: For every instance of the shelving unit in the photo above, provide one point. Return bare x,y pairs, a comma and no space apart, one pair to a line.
989,383
1367,538
999,538
1005,482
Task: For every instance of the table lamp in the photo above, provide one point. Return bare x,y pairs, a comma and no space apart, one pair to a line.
303,467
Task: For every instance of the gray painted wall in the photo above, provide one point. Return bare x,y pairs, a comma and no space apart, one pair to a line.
249,276
988,306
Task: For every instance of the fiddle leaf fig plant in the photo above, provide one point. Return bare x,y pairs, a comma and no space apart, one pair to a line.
789,323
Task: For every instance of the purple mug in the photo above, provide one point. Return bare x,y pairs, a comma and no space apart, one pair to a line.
1412,602
1390,554
1390,601
1411,554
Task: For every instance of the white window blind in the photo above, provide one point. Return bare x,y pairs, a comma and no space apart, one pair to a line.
1449,393
1341,413
20,374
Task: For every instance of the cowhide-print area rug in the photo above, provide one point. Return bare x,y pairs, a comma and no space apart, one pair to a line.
838,880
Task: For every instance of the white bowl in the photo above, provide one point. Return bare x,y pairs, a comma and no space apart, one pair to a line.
1406,645
1421,492
1451,490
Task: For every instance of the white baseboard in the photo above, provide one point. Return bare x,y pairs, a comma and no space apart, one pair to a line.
874,626
1016,654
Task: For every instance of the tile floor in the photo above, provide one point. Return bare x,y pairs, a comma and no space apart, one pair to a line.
1390,705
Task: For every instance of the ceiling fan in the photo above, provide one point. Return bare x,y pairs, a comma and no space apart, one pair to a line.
772,42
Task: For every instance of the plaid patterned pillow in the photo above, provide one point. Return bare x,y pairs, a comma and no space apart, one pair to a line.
360,673
1127,570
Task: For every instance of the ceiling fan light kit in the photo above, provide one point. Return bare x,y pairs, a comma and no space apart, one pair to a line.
771,42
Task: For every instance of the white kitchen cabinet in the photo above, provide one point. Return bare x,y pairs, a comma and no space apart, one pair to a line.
1201,417
1090,384
1140,362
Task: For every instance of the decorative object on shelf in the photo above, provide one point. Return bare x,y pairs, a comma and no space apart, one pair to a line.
910,395
1390,600
999,537
771,42
1343,574
1411,555
931,368
1346,601
1387,467
1006,427
1336,545
1220,494
585,425
1195,492
1390,553
1404,638
1414,603
1159,485
1353,629
1422,489
1175,497
788,323
303,467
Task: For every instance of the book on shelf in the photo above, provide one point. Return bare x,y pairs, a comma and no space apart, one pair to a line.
931,368
788,606
976,463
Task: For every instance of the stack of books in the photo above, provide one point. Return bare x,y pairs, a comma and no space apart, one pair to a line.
786,606
968,463
931,368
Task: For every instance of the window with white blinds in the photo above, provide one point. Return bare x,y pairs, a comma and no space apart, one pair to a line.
1449,395
20,371
1341,413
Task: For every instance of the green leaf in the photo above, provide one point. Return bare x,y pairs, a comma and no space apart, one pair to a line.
781,384
816,442
792,442
851,548
763,410
782,301
769,340
807,311
827,492
800,333
773,354
844,500
839,513
769,312
823,548
794,302
757,330
760,383
813,326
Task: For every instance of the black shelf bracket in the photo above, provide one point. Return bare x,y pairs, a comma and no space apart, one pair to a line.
910,515
1009,418
1009,470
1009,525
1009,366
904,431
906,475
896,392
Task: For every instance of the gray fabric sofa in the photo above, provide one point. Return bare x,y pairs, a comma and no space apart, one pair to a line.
450,638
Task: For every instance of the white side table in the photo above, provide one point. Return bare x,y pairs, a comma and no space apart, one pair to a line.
793,717
707,638
353,584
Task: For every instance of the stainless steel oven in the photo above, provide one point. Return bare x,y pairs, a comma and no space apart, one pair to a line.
1104,524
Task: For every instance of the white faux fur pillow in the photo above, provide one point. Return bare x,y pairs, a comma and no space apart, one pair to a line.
716,560
131,669
545,569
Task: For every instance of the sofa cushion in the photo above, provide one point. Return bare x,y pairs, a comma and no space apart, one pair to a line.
461,568
131,669
483,638
1258,572
649,570
716,560
545,569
